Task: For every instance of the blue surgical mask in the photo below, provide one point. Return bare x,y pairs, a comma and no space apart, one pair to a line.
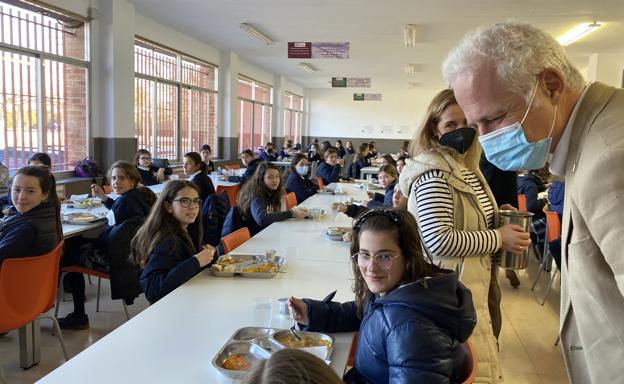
302,170
508,149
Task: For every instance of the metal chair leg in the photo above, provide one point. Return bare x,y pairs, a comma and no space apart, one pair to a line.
89,278
558,339
97,305
58,333
2,377
125,307
552,279
59,296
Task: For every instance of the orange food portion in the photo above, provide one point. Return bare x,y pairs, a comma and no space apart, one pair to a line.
306,341
236,363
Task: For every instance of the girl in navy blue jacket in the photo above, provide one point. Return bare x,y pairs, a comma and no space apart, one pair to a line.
411,316
150,175
361,160
261,199
329,170
297,179
387,180
195,170
130,202
33,225
168,244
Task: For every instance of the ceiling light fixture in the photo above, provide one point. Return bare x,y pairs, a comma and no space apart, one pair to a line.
577,32
310,68
256,33
411,69
409,35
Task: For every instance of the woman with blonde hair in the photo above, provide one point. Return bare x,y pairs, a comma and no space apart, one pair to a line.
457,214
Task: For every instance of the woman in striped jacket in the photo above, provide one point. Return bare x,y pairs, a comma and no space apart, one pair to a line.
457,217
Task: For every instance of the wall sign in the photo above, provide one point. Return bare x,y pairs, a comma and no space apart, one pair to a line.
309,50
367,97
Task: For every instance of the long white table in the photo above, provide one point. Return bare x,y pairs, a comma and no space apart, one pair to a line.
176,339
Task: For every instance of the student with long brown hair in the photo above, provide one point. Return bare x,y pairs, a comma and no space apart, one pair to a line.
131,201
168,244
261,200
195,171
411,316
361,160
297,178
32,226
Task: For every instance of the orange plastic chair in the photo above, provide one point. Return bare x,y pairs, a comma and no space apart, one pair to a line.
232,166
291,200
231,190
522,207
469,366
553,226
319,182
234,239
107,189
354,343
27,290
89,272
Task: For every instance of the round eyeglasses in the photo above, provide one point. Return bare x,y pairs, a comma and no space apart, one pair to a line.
186,202
383,260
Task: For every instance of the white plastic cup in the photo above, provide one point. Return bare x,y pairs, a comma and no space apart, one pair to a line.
262,311
270,253
174,177
283,308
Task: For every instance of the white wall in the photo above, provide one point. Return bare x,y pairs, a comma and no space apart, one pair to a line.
333,113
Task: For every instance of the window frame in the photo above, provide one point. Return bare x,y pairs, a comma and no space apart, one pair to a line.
294,112
254,103
179,86
40,57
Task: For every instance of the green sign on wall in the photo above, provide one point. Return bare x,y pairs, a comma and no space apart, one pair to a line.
358,97
339,82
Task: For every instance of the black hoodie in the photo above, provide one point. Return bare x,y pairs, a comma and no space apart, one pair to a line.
411,335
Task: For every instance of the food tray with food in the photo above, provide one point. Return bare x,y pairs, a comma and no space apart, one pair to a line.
335,233
249,345
254,266
81,218
83,204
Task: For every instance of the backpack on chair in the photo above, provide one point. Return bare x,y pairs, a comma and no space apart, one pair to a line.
214,211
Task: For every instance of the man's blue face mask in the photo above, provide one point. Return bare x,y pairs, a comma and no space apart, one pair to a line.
508,149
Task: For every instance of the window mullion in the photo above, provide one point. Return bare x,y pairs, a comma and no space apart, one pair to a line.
41,115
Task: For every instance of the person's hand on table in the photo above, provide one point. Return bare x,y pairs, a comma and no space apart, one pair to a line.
347,237
160,175
299,213
507,207
339,207
299,310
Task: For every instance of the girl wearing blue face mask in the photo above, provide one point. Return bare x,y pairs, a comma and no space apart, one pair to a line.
297,179
457,216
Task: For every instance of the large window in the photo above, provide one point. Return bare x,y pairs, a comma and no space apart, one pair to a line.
43,85
254,114
175,101
293,117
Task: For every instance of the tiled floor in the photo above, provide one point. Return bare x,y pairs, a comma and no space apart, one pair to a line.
528,353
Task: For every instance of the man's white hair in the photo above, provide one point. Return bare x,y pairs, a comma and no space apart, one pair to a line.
519,52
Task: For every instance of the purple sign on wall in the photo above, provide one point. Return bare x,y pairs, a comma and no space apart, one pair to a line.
299,50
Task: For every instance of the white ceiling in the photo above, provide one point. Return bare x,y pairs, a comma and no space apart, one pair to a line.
374,29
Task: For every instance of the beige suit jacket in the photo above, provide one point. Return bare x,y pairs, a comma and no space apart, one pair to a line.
592,284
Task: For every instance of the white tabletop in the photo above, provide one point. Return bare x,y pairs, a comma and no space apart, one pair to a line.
71,230
176,339
371,170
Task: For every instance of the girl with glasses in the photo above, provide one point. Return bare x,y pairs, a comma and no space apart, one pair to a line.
411,316
168,244
150,175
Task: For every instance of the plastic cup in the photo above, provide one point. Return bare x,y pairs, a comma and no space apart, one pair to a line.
262,311
270,253
284,309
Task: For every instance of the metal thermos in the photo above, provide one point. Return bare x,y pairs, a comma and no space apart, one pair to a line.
511,260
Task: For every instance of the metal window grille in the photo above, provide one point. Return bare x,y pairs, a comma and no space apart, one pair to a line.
43,87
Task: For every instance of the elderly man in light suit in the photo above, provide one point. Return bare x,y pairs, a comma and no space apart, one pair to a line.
516,83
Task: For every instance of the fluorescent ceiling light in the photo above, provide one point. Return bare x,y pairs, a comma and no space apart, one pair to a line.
413,85
409,35
577,32
411,69
256,33
310,68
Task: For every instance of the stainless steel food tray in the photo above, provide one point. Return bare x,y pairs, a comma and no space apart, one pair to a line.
256,344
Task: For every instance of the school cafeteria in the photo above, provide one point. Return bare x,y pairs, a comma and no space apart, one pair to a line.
268,192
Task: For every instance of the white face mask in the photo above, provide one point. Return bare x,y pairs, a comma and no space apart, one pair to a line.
302,170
